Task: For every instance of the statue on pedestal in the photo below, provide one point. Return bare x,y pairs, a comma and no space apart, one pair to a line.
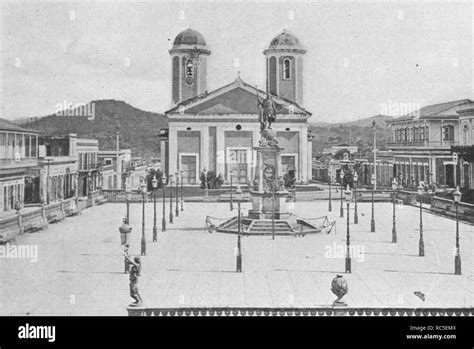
267,112
134,274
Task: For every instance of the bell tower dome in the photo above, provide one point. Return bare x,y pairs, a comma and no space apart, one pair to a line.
188,65
284,58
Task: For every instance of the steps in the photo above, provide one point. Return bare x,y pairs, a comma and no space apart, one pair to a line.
265,227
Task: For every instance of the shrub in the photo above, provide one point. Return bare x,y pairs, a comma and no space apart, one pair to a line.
213,181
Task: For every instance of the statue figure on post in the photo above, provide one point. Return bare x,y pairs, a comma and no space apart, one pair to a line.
267,112
134,274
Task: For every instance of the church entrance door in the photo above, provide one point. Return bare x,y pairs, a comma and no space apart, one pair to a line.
189,168
238,164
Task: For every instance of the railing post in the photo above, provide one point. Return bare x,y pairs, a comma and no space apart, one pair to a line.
20,225
63,213
43,214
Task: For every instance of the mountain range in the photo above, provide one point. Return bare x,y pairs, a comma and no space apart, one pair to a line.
139,129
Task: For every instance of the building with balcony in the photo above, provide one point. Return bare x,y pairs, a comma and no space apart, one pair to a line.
465,152
87,151
58,163
128,171
120,162
19,172
422,142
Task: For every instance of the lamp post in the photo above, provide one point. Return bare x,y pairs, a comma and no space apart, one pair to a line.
341,177
231,198
421,245
273,213
177,195
356,215
163,220
154,184
182,201
372,220
76,184
348,195
206,187
330,203
238,196
394,221
457,257
128,197
144,191
171,197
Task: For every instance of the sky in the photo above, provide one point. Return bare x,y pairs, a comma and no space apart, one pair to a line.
361,55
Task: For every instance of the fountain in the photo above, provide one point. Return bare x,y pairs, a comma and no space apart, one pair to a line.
269,214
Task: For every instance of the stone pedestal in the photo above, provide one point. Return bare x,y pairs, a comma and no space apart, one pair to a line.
269,192
262,205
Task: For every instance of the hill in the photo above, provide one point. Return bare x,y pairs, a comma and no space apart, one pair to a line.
358,133
380,120
138,128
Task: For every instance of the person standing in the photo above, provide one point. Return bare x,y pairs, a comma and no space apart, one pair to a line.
125,231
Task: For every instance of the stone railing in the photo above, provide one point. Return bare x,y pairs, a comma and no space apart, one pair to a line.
317,311
113,192
407,197
33,219
379,195
119,195
447,207
438,205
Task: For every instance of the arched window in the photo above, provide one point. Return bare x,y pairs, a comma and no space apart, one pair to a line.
189,68
465,134
287,69
448,133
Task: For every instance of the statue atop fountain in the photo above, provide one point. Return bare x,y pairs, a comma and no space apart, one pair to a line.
268,182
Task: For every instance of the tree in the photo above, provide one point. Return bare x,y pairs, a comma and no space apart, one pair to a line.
149,178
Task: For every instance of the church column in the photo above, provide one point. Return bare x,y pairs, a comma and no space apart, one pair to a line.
296,78
173,151
303,155
204,156
163,155
277,77
180,79
310,158
255,140
220,151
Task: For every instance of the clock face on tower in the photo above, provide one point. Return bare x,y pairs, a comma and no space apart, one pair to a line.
189,72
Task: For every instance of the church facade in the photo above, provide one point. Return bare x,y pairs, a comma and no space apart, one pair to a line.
217,131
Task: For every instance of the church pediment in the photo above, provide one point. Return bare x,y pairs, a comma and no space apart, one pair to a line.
235,101
217,109
236,98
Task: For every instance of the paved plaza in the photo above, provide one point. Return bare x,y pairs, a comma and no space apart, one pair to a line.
80,264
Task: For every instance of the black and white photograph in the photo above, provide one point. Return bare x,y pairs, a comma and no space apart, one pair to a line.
237,159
